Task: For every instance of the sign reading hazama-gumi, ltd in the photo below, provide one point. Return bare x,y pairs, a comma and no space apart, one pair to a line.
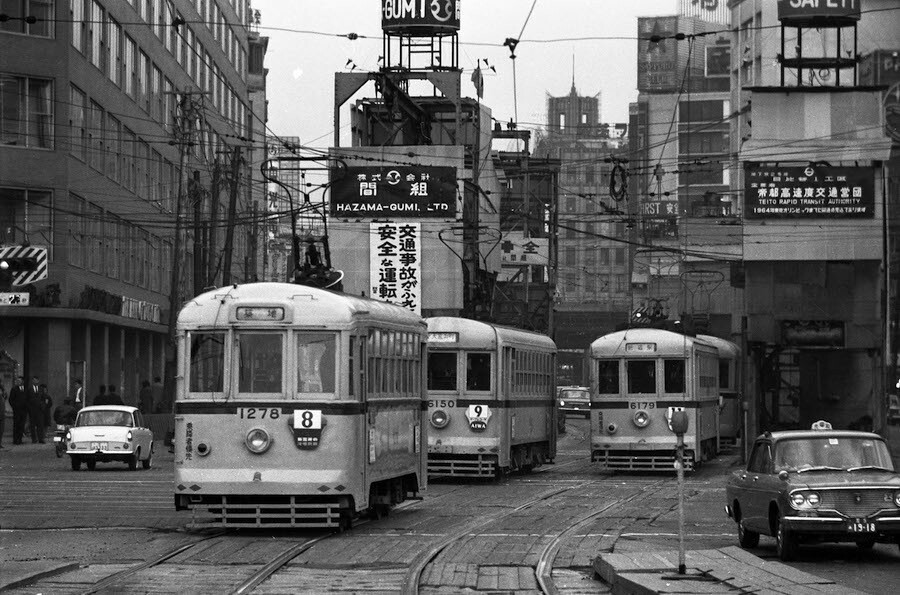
821,191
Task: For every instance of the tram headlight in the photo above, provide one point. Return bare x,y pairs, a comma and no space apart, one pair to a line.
440,419
258,441
641,418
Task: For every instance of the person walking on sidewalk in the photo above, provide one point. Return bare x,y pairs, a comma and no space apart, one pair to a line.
35,412
18,401
2,413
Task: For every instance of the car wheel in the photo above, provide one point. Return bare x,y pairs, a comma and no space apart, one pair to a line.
91,465
865,544
76,463
148,462
746,537
133,460
785,543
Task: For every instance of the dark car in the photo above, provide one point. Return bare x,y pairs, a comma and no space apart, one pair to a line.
816,485
574,400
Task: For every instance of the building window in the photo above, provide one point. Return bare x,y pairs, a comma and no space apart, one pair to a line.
25,115
17,10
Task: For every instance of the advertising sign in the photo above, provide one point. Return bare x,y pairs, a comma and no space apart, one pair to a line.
395,258
809,192
515,248
401,191
420,16
810,11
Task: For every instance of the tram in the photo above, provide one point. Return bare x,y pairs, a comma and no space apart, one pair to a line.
639,377
730,409
297,406
491,398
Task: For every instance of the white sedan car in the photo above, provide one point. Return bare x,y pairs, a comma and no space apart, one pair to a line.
105,433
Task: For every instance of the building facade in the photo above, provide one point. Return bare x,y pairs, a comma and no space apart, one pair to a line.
116,117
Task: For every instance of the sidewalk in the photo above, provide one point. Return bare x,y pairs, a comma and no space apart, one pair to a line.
726,570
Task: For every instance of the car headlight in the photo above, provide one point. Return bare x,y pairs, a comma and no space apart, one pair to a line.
805,500
129,436
440,419
258,441
641,418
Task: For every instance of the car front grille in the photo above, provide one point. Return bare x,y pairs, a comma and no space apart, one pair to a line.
854,502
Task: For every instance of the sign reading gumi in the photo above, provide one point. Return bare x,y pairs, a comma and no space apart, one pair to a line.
811,11
395,191
420,17
809,192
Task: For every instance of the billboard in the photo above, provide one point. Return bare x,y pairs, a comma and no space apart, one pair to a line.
395,259
809,192
395,191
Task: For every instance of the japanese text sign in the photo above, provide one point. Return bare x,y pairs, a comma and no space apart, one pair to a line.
408,191
809,192
395,257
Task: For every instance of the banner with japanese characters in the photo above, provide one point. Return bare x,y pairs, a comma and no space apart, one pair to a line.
395,191
818,191
395,264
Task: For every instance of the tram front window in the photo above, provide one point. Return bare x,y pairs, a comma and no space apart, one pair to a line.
441,371
642,376
207,362
259,362
315,363
478,371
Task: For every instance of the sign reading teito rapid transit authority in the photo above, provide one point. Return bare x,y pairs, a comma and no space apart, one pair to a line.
809,192
395,191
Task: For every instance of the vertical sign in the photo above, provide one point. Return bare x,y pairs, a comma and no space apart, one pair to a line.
395,257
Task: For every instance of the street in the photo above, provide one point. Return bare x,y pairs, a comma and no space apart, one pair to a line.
74,529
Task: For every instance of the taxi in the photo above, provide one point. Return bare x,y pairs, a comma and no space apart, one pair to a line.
110,433
817,485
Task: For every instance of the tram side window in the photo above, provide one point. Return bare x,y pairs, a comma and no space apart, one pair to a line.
674,372
259,362
207,372
441,371
641,376
608,377
478,371
315,363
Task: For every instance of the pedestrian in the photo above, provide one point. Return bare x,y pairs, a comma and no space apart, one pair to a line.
101,398
79,394
46,404
2,413
18,402
156,392
35,411
145,398
113,397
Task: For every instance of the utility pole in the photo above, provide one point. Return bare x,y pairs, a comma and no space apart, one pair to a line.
232,208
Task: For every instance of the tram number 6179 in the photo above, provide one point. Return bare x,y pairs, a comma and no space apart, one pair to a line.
259,412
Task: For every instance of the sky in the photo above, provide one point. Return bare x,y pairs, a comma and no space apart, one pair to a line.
308,43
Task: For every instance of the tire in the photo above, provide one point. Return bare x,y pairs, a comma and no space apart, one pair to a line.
133,460
76,463
148,462
785,543
91,465
746,537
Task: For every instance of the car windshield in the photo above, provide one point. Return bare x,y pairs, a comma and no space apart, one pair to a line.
105,418
573,394
829,452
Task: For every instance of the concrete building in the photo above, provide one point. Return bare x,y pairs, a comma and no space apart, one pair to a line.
114,115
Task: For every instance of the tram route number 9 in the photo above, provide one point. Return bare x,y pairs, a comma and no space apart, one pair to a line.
642,405
441,403
259,412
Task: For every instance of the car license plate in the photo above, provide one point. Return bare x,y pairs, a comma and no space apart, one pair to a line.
860,526
99,445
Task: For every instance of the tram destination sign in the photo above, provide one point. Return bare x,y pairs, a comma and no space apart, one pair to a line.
820,192
408,191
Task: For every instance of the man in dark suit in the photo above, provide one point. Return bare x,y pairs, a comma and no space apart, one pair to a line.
35,411
18,402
